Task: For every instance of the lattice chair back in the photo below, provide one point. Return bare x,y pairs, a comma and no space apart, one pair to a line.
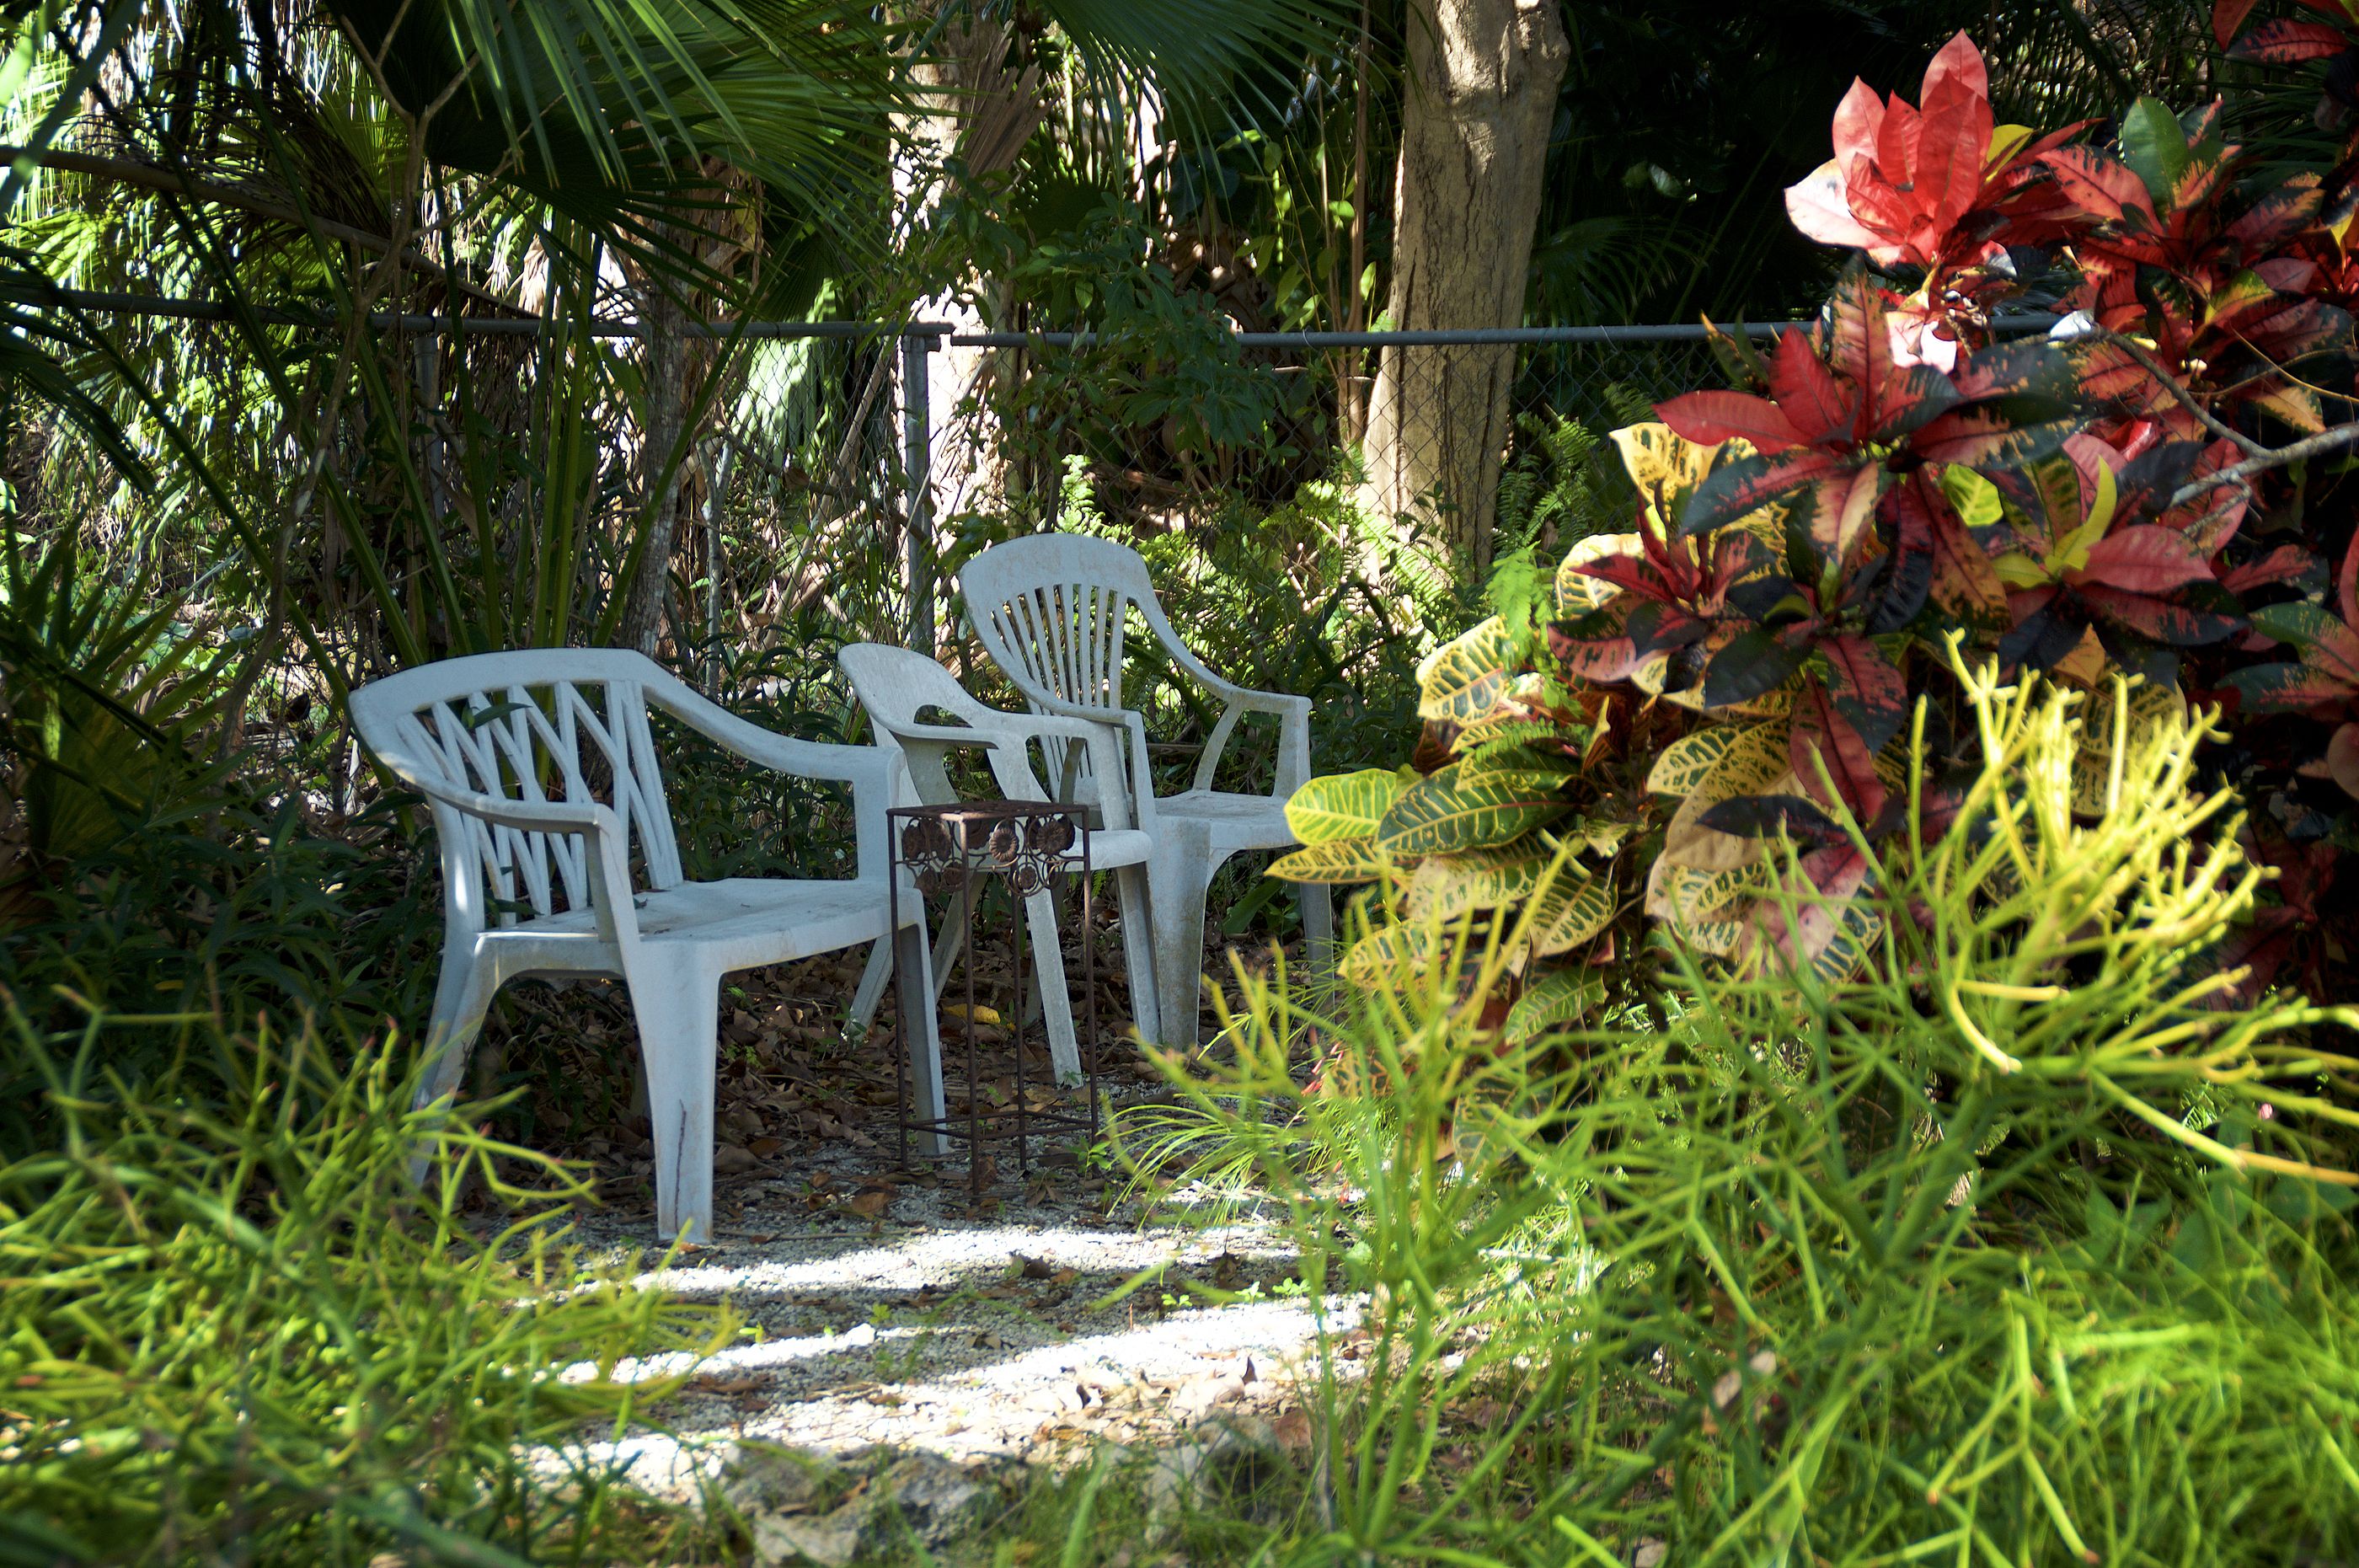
550,726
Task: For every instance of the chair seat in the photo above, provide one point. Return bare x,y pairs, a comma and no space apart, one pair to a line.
744,922
1234,821
1118,846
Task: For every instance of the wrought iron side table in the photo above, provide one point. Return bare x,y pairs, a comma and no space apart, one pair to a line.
949,851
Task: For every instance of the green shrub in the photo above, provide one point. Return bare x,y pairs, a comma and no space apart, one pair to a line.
2024,1240
235,1329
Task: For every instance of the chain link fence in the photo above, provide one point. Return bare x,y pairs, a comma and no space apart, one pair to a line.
842,470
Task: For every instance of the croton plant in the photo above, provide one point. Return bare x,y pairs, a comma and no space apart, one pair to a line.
2152,482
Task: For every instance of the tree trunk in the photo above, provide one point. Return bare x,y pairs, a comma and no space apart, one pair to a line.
980,106
665,373
1479,98
727,238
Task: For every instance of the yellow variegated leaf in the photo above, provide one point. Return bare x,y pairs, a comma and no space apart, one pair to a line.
1503,728
1443,813
1756,758
2092,760
1857,929
1600,836
2296,405
1558,1000
1334,861
1393,955
1512,758
2005,141
1572,910
1459,682
1687,842
1576,596
1697,905
1447,885
1681,767
1344,805
1667,467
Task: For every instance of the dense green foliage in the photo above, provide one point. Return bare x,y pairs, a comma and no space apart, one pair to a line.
235,1329
1797,1098
1794,1270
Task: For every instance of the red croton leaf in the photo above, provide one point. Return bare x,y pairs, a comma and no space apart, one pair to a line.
1748,484
1965,585
1909,399
1710,418
2343,758
2327,671
2103,187
2286,41
2144,559
1830,877
1808,395
1597,647
2285,564
1868,691
2227,17
1823,734
2158,620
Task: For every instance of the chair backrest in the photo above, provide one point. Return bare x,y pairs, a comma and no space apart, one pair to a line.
897,685
1051,609
538,725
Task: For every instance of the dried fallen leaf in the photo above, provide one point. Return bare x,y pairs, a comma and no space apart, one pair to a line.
870,1201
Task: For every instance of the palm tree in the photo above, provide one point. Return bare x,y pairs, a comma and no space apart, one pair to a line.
384,497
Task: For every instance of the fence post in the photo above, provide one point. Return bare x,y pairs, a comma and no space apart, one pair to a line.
917,443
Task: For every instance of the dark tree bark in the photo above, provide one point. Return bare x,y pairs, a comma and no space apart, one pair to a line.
1479,99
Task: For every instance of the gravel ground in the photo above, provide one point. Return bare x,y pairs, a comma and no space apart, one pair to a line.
881,1307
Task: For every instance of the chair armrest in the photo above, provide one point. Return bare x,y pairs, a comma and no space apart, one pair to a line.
1293,737
879,776
1294,713
601,830
939,735
1100,726
526,816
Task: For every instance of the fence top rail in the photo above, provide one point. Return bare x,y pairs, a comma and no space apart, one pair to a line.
934,333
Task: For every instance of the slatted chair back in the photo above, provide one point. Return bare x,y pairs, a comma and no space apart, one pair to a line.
567,725
1052,610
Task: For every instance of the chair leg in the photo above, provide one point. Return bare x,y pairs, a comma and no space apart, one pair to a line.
1048,975
462,997
1139,948
1318,902
870,994
679,1027
1180,875
920,1035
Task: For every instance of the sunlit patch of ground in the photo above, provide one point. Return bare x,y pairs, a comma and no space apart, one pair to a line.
975,1340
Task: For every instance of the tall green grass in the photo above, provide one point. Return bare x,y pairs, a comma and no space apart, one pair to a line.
2027,1243
233,1330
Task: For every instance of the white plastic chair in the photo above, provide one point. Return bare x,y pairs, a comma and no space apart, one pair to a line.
1052,610
896,685
546,790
